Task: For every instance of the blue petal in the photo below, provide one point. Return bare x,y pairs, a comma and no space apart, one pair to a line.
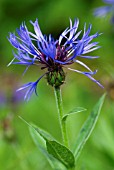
48,48
77,51
71,31
73,28
24,34
89,57
32,88
102,11
37,30
86,33
13,40
23,42
88,74
23,58
109,1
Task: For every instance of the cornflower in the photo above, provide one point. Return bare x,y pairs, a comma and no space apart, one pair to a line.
104,10
53,55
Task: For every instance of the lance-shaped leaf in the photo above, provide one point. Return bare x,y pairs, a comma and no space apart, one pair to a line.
61,153
57,150
41,144
74,111
87,128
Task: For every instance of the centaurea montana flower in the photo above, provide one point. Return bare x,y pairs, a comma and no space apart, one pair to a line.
104,10
51,54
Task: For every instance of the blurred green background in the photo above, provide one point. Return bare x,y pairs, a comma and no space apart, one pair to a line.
17,150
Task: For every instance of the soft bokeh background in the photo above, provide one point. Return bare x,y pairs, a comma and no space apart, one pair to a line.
17,150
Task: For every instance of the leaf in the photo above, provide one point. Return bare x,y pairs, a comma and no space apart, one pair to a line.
57,150
41,144
61,153
75,110
87,128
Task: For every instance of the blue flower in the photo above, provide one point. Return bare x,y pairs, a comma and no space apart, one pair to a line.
53,55
104,10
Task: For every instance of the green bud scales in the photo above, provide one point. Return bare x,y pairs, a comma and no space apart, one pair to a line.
56,77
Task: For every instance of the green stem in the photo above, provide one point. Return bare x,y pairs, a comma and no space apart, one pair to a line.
58,97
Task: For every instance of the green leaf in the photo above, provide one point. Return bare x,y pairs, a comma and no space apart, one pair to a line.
61,153
41,144
87,128
75,110
57,150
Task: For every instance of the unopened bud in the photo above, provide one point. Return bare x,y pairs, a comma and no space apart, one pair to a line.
56,78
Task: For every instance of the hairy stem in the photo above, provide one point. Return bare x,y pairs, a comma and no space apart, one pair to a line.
58,97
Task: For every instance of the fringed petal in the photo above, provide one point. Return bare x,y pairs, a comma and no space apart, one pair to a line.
89,75
32,87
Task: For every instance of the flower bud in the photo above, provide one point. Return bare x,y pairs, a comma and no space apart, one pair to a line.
56,78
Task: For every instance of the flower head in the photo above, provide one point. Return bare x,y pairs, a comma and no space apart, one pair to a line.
104,10
53,55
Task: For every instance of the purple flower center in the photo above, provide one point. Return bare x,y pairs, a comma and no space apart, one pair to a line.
51,63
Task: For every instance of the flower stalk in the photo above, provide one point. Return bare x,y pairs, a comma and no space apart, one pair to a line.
58,98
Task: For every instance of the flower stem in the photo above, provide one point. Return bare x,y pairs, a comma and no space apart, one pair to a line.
58,97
